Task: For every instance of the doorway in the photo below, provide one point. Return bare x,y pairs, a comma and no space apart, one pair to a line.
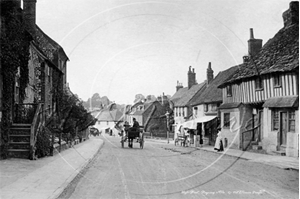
283,130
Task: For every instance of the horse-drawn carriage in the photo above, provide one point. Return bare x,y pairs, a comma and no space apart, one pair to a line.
132,134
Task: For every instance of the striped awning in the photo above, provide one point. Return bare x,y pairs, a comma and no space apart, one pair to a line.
282,102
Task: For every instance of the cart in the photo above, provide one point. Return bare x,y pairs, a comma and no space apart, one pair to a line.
182,139
131,134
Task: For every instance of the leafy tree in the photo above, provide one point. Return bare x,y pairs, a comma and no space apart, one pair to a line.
74,116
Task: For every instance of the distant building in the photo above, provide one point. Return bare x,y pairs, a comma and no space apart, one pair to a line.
205,104
151,115
108,120
182,99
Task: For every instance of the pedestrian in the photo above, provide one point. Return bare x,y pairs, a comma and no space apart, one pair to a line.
219,142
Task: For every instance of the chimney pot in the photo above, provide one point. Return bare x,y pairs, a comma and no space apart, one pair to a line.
251,33
291,16
209,73
254,45
191,78
29,7
179,86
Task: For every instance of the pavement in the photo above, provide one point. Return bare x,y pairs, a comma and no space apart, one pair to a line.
282,162
48,177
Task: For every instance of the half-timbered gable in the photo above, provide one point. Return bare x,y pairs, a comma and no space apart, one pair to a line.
271,85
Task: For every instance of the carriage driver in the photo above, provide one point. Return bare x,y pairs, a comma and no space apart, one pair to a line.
135,125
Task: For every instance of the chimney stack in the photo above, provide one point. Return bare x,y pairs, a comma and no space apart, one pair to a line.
254,45
17,3
179,86
29,7
291,16
191,77
209,74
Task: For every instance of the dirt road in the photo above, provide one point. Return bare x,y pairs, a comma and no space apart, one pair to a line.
166,171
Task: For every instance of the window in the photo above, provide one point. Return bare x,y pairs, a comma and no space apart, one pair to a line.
205,107
258,83
277,81
195,111
292,121
229,90
17,89
275,119
214,107
226,120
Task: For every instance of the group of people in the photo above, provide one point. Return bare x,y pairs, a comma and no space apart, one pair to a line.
219,146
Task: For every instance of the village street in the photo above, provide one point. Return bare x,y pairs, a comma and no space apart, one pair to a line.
162,170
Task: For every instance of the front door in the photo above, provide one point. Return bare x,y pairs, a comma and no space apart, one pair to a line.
283,129
260,125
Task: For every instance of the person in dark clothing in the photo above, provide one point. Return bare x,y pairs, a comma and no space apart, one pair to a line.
135,127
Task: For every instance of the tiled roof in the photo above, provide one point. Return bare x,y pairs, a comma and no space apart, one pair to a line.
286,101
183,96
212,93
279,54
146,106
230,105
106,115
49,47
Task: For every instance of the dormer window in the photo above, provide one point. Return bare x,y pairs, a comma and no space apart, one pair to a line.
258,84
205,107
140,108
277,80
229,90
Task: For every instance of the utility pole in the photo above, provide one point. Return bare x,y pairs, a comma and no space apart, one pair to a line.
167,116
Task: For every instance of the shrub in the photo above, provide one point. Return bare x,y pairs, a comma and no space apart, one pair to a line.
43,143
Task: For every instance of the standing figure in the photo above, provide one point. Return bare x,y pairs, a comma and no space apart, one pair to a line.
135,127
219,143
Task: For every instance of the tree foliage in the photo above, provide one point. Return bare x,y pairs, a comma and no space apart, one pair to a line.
14,56
74,116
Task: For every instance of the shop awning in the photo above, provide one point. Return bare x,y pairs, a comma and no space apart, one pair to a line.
189,124
192,124
205,119
282,102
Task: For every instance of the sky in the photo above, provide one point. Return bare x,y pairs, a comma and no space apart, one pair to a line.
120,48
